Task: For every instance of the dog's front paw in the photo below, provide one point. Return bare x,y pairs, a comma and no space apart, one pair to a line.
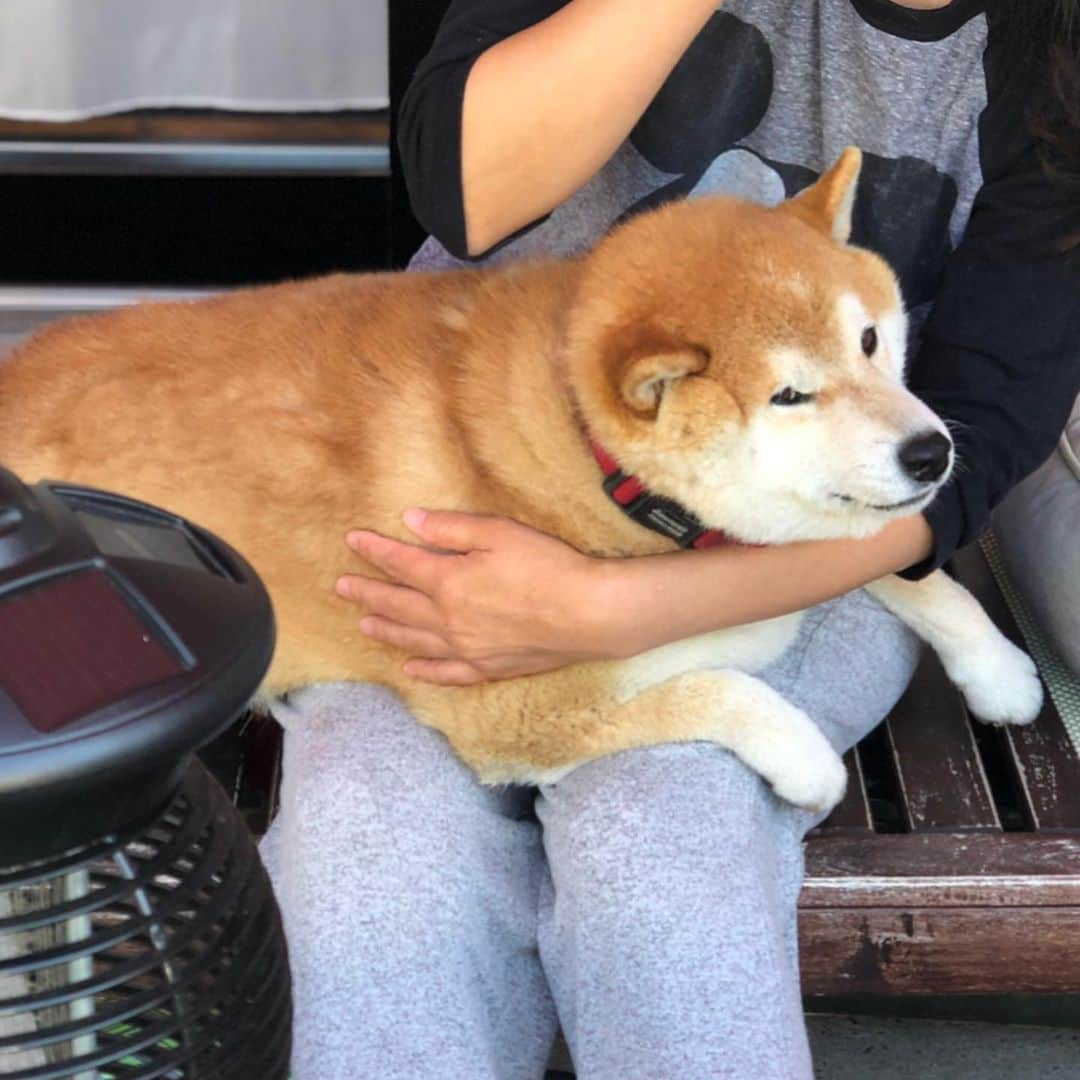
800,763
816,783
780,743
1000,684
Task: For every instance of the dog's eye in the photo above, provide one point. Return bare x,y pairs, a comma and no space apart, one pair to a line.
869,340
790,396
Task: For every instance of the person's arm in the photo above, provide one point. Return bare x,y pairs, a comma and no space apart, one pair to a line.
519,103
667,598
501,600
1000,359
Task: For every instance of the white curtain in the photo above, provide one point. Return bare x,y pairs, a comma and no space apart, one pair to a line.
71,59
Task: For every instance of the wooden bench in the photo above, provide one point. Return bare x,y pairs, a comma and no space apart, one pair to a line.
951,867
953,864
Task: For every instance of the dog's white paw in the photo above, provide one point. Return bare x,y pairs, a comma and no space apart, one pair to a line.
1000,683
780,743
810,774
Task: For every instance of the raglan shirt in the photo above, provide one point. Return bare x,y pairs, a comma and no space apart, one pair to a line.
953,192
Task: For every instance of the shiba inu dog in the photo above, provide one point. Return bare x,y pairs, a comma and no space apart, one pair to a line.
744,364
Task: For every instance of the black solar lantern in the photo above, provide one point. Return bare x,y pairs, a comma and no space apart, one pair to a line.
138,933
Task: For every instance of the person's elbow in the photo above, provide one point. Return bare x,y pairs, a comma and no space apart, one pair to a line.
429,151
481,234
442,208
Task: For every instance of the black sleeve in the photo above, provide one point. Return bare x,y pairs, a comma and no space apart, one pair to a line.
429,121
1000,358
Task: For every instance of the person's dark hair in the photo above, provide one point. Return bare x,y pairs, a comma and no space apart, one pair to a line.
1047,34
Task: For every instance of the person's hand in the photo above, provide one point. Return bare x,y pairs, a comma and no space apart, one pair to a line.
500,600
495,600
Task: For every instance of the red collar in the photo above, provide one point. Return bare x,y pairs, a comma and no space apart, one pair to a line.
655,512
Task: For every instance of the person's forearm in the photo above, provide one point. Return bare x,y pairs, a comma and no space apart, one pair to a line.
651,601
546,108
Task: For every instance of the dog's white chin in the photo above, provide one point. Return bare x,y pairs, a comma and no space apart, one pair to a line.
858,519
818,518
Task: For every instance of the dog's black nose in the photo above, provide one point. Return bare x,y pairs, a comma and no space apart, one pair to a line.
925,457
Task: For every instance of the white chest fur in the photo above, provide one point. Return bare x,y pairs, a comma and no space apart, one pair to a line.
744,648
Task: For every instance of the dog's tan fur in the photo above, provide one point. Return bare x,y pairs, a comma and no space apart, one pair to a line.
281,417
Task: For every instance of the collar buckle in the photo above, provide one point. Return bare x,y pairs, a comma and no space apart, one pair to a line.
656,512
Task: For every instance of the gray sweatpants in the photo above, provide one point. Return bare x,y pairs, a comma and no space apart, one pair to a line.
440,930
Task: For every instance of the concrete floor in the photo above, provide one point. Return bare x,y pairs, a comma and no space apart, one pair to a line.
882,1048
892,1048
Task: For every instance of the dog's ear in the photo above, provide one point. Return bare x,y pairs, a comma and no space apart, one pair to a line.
643,361
828,202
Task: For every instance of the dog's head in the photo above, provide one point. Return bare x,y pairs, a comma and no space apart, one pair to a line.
749,363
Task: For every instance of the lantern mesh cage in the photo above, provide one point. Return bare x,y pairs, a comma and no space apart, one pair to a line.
156,954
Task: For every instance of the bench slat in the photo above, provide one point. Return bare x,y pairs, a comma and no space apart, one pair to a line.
852,815
1047,768
937,951
937,762
949,891
921,855
942,870
1043,760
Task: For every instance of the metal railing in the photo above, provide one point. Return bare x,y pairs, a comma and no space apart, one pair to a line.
109,158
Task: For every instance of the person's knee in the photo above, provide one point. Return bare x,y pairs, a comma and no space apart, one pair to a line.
378,815
672,797
354,755
364,732
641,841
848,667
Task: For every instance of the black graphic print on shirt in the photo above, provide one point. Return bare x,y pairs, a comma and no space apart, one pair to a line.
714,97
718,94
